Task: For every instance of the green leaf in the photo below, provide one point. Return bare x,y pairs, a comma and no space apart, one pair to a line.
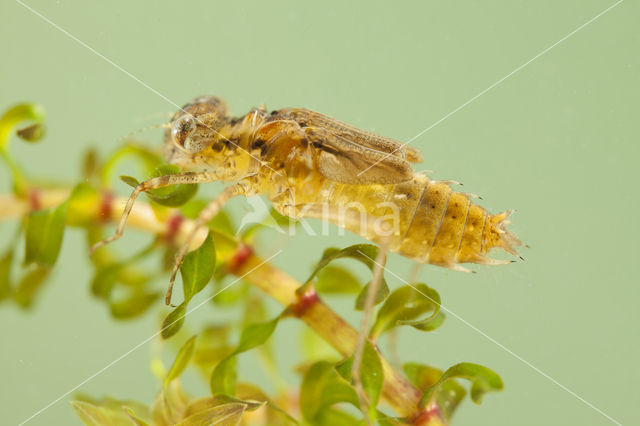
335,417
275,415
404,305
314,348
428,324
43,234
169,404
203,404
421,376
134,305
182,360
15,115
174,195
30,284
8,121
222,415
130,180
221,222
90,414
5,274
84,198
174,321
146,158
104,280
361,300
322,387
234,294
424,376
363,253
89,164
371,375
109,413
32,133
337,280
482,380
256,334
137,421
223,378
197,268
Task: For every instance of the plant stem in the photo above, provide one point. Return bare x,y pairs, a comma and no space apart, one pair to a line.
397,391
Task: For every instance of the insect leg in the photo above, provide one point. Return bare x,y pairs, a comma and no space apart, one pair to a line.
157,182
205,215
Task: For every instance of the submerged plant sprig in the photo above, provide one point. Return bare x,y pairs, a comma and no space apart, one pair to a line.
418,395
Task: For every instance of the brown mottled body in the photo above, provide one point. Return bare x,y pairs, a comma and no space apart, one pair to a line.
310,165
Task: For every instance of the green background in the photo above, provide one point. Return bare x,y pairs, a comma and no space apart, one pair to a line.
557,140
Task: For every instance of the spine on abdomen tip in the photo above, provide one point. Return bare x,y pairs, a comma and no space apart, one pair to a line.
431,222
446,229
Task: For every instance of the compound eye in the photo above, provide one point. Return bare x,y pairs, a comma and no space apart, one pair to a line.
181,131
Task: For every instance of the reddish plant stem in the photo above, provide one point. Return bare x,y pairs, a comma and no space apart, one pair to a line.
397,390
401,395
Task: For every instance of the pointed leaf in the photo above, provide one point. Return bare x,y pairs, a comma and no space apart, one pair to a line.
134,305
173,322
174,195
223,378
32,133
169,404
90,414
336,280
84,198
30,284
361,300
5,274
90,164
482,380
404,305
433,297
15,115
130,180
275,415
103,281
421,376
427,324
365,253
43,234
222,415
198,267
256,334
202,404
371,374
322,387
182,360
424,376
361,252
137,421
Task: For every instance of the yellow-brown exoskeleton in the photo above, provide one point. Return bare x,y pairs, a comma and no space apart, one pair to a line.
311,165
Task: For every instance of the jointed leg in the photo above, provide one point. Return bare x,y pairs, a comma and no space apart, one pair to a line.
157,182
206,214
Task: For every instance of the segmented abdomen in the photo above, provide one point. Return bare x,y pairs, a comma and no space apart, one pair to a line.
434,223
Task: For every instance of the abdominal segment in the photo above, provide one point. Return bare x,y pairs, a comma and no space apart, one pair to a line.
421,219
